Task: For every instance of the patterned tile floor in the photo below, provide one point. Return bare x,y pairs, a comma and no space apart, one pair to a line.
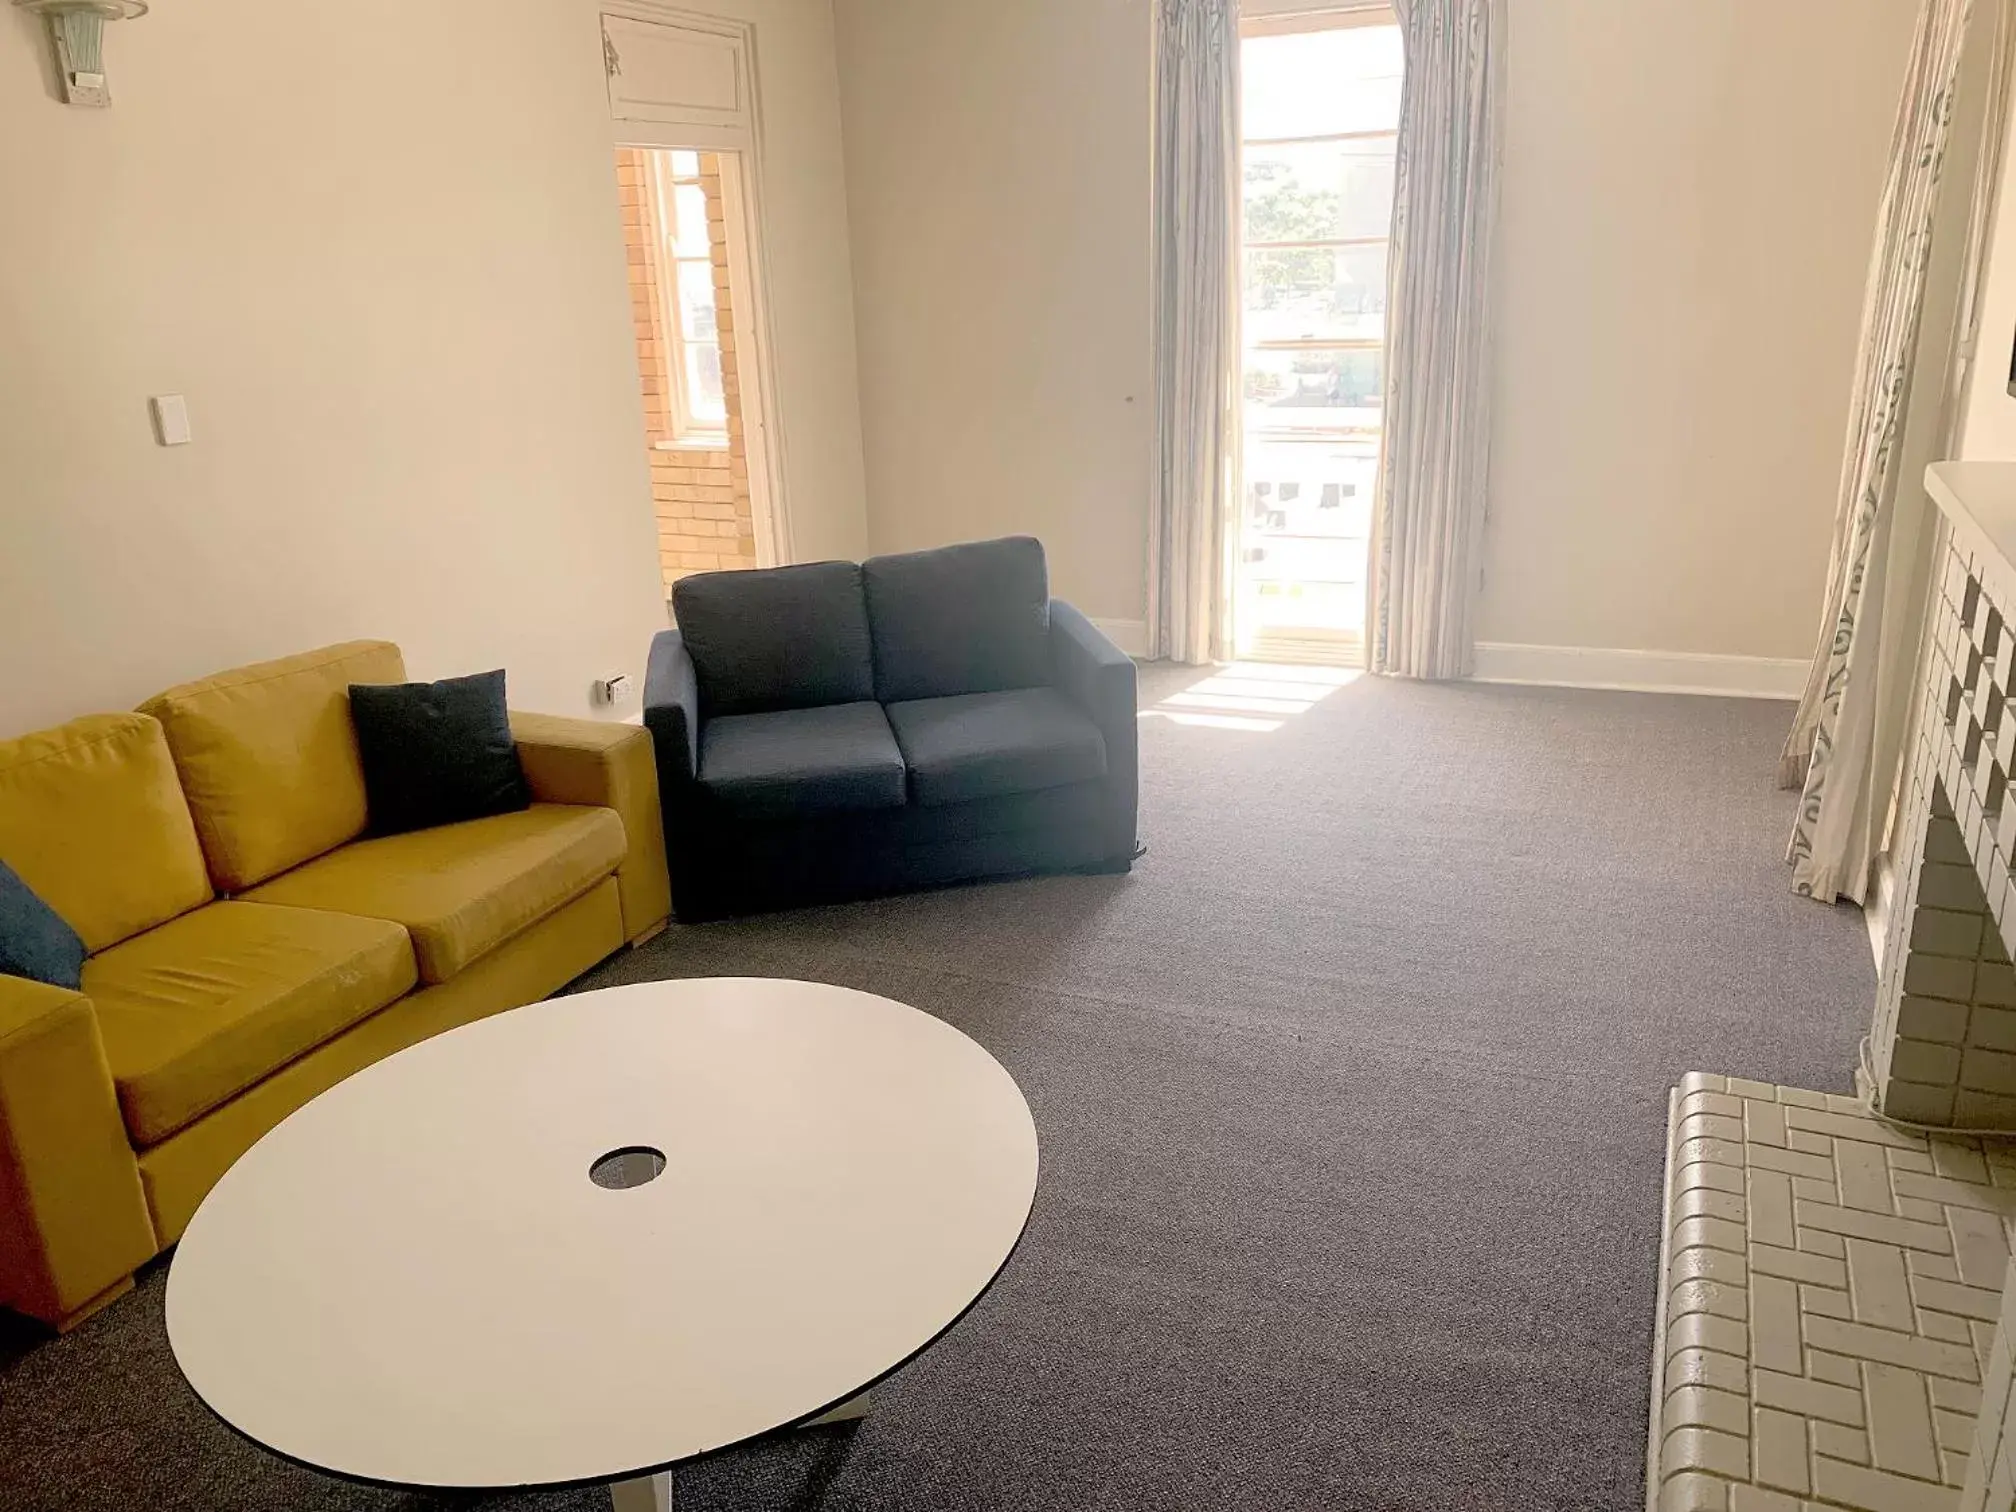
1828,1301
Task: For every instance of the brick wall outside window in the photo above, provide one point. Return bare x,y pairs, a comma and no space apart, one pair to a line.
701,493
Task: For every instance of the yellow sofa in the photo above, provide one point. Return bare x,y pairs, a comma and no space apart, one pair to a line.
248,949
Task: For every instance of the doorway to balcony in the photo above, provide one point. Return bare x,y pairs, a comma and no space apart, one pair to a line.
1320,120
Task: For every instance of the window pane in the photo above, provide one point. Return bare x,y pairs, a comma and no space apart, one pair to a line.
689,221
1318,83
1315,489
1307,550
1308,514
686,165
1331,293
704,395
696,301
1319,191
1318,390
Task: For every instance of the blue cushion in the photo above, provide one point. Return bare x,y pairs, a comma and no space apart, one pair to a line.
34,941
991,745
794,762
778,638
961,619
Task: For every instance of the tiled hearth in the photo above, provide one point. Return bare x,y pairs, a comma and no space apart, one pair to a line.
1831,1288
1834,1273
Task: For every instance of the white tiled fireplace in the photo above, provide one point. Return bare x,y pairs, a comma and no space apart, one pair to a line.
1834,1272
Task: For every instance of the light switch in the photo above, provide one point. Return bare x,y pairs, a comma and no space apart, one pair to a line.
171,419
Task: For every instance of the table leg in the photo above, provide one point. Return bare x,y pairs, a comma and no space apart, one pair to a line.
847,1412
653,1493
649,1493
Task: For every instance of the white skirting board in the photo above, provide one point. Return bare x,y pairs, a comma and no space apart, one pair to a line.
1130,636
1641,671
1882,898
1591,667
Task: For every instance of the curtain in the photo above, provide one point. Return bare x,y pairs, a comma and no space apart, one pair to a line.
1193,537
1846,738
1434,467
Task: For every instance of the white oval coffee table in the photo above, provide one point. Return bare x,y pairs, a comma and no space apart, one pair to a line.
415,1280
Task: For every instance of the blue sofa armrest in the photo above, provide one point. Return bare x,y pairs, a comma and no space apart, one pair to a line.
672,710
1098,677
1089,669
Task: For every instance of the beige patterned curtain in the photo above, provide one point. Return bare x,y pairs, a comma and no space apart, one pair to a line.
1843,749
1435,463
1193,532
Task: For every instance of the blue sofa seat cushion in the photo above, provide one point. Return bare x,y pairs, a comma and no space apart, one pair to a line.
795,762
973,618
993,745
778,638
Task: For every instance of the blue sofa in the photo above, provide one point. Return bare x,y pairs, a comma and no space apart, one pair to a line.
837,730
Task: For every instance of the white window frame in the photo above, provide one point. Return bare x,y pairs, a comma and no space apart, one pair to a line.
687,431
1281,18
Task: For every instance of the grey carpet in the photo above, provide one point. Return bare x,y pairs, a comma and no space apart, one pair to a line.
1351,1101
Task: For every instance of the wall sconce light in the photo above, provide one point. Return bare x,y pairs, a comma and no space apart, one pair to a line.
79,29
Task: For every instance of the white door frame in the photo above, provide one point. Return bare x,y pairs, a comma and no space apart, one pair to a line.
736,137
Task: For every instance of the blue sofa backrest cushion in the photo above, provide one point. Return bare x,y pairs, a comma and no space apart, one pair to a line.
961,619
776,638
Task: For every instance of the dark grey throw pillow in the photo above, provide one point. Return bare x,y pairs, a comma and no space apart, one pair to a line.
34,941
437,753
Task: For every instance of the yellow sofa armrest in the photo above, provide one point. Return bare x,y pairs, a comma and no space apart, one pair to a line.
606,765
73,1218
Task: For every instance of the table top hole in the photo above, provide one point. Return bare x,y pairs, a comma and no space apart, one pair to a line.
630,1166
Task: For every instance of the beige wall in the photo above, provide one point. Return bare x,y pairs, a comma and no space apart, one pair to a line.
392,288
997,180
1989,426
1690,197
393,293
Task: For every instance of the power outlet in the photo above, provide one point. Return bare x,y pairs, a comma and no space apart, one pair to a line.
613,689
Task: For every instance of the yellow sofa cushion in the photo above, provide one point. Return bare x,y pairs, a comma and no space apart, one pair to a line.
92,818
463,889
268,757
179,1172
198,1010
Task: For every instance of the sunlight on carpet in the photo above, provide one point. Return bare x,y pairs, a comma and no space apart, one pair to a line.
1257,697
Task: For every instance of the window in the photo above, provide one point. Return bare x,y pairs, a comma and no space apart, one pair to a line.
1322,114
692,335
1319,129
